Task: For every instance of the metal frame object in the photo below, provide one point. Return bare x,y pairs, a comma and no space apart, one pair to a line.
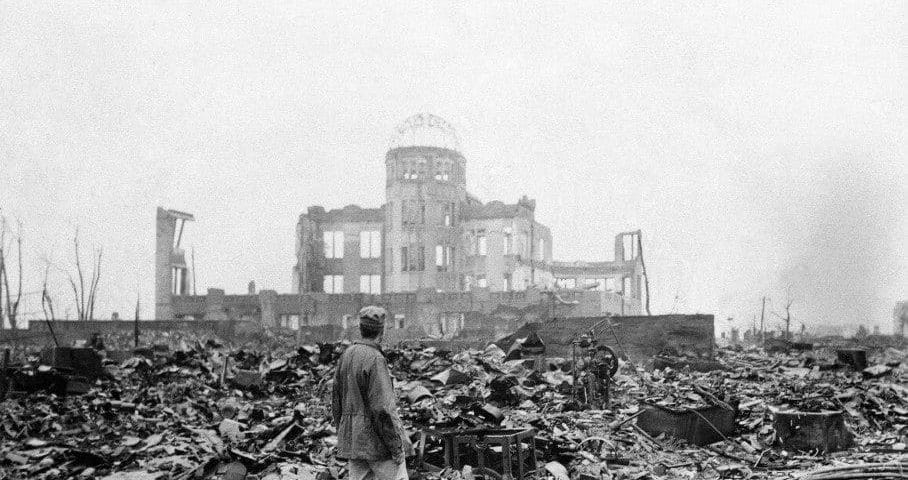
517,459
427,130
596,375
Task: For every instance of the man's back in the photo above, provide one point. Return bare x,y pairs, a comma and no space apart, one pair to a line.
364,406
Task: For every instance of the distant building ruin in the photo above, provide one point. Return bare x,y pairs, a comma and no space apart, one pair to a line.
435,255
432,234
171,272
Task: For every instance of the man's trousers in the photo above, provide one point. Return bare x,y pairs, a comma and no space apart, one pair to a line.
377,470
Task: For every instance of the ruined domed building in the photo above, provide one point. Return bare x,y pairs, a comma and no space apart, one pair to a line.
445,264
447,267
432,234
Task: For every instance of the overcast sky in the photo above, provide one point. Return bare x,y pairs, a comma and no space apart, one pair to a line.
755,146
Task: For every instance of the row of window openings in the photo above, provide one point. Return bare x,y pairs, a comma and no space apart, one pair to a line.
413,258
369,244
413,212
367,284
370,247
414,169
479,245
371,284
598,284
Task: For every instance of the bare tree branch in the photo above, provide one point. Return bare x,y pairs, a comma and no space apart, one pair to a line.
75,288
789,301
81,296
47,303
15,310
85,299
96,277
3,280
12,307
1,289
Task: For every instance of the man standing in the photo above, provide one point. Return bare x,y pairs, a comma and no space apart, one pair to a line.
370,435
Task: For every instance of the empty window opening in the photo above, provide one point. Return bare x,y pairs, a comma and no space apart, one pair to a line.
448,210
444,257
370,284
629,244
334,244
333,284
442,169
412,258
370,244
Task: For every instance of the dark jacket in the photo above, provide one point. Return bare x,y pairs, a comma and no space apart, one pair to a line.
364,405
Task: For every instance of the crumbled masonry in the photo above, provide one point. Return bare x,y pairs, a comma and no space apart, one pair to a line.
192,407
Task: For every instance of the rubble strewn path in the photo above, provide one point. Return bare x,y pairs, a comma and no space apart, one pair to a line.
189,407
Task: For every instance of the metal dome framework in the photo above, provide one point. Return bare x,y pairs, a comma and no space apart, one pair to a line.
425,130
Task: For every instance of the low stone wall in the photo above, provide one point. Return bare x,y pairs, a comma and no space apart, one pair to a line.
69,331
637,337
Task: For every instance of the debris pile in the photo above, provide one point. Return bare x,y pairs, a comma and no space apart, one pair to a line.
193,407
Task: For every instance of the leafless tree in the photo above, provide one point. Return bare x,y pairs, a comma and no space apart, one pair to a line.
47,304
789,301
85,298
12,306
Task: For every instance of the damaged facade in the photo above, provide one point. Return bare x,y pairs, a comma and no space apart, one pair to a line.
432,234
442,261
171,272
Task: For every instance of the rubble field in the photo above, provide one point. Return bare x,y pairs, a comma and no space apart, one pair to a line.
191,407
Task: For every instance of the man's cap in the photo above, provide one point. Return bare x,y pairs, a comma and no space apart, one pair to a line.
373,316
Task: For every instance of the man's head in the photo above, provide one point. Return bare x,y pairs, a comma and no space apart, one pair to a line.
372,322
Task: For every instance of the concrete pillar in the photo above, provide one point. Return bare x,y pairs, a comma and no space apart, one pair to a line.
169,256
165,228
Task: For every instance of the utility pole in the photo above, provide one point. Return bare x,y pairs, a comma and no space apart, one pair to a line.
135,326
762,325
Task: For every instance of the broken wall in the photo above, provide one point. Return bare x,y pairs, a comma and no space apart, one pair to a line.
68,332
638,337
